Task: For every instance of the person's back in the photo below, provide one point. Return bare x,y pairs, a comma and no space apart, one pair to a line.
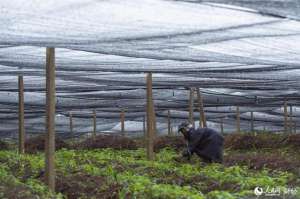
205,142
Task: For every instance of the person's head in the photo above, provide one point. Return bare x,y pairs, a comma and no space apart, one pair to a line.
184,128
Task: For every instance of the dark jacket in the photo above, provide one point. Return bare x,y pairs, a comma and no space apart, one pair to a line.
206,143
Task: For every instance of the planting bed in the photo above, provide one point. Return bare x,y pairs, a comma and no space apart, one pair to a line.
115,173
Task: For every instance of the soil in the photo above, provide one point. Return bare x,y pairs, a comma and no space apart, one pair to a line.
81,185
294,140
36,144
250,141
11,190
259,161
175,142
107,141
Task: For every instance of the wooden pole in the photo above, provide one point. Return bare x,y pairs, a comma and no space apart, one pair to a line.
71,124
238,124
50,119
94,124
191,107
144,125
291,119
21,116
252,122
202,122
285,117
169,123
222,126
122,118
150,122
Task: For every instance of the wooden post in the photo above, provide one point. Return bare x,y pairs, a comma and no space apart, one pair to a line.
144,125
191,107
71,124
150,122
122,118
21,116
222,126
94,124
295,127
50,119
202,122
238,125
252,122
291,119
285,117
169,123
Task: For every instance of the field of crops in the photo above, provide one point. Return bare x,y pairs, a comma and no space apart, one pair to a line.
112,173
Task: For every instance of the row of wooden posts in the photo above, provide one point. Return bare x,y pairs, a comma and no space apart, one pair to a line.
150,116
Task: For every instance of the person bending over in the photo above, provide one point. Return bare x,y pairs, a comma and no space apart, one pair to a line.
205,142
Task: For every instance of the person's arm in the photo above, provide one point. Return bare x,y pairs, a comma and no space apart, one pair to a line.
187,152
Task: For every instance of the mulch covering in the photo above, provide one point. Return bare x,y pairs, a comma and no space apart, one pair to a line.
81,185
259,161
107,141
3,145
36,144
237,141
176,142
260,141
294,140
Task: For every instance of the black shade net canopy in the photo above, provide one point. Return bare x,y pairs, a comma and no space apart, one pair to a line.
242,53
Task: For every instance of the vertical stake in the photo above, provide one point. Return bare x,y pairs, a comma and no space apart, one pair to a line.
94,124
285,117
238,125
169,123
21,116
202,122
144,125
50,119
222,126
291,119
71,124
122,118
150,119
252,122
191,107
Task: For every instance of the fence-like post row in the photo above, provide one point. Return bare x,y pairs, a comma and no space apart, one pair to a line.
50,119
94,124
285,117
71,125
21,142
150,119
238,122
122,118
202,120
191,107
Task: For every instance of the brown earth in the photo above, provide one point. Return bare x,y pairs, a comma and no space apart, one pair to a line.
259,161
36,144
175,142
81,185
107,141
